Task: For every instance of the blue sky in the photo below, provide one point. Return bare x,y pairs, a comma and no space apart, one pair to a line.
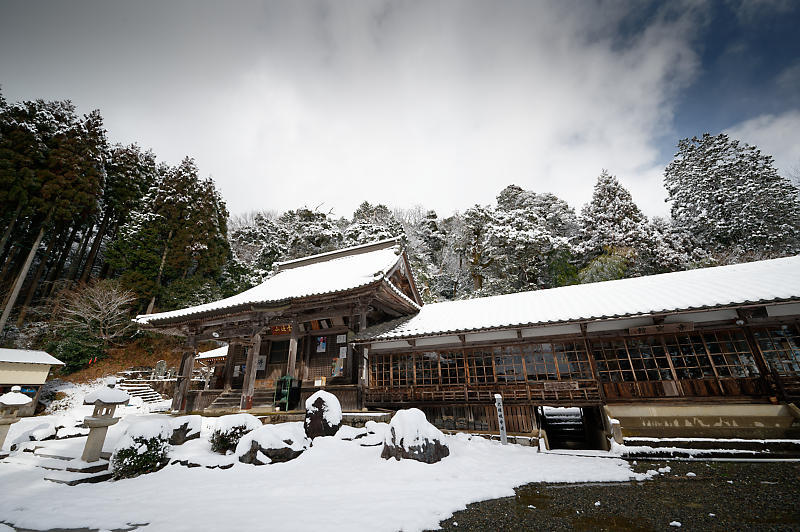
440,103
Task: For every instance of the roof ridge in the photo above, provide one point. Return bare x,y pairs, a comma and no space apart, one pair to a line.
338,253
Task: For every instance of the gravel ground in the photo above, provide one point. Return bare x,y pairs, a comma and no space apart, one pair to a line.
720,496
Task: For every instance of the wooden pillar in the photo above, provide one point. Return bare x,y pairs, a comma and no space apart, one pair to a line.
307,356
185,374
364,358
291,369
249,385
230,358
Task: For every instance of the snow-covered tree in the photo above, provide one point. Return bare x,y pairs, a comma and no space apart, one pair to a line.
731,197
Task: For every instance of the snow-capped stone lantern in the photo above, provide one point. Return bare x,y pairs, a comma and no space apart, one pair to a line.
10,403
105,401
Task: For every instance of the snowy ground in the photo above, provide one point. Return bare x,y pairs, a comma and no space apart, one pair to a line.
335,485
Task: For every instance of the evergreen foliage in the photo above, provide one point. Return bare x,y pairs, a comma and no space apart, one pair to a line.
731,197
141,456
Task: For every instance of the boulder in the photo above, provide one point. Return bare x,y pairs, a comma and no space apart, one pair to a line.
323,414
184,428
272,444
411,436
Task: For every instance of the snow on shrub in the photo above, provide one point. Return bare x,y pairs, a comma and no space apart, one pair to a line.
272,443
143,448
229,431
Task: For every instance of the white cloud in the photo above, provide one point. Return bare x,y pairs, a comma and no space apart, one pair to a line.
774,135
434,103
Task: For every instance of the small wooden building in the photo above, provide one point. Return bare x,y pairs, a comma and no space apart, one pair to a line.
707,352
299,323
26,369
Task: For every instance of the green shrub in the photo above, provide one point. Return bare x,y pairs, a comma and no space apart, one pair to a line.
224,441
143,449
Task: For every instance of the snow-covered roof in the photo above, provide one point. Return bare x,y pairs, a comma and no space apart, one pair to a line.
214,353
327,273
754,282
27,356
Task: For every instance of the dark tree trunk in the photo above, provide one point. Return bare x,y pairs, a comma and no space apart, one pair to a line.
158,278
62,258
101,231
9,229
76,263
24,272
35,282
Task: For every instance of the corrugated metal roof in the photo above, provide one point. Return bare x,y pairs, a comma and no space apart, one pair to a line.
337,274
754,282
26,356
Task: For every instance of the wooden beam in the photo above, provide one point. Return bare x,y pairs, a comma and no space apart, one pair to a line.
227,375
185,376
248,387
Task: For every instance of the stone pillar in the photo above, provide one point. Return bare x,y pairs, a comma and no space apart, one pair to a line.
185,375
249,385
98,424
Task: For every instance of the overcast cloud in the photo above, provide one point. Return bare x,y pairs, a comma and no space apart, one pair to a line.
314,103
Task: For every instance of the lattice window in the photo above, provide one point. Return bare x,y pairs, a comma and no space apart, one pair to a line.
379,366
572,362
452,365
730,354
781,348
689,357
540,362
427,368
508,364
402,371
279,352
649,359
481,370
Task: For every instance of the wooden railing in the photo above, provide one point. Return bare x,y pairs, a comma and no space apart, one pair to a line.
577,392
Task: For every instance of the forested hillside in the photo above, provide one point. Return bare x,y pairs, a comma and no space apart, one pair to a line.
94,232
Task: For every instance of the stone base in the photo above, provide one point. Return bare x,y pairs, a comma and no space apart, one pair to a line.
758,421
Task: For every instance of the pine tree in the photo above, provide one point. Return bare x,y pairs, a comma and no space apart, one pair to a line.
731,197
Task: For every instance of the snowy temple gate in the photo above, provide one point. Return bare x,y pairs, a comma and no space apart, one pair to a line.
298,324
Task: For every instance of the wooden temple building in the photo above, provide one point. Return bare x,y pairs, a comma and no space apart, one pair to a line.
708,352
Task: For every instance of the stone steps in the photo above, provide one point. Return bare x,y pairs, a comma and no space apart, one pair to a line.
62,469
711,448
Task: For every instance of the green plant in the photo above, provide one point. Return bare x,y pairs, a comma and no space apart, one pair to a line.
227,440
139,456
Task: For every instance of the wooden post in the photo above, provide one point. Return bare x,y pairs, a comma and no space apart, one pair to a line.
185,375
230,358
291,369
249,385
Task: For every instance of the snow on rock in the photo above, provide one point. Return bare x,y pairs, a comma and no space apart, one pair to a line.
147,429
348,433
676,524
376,433
272,443
323,414
185,428
14,398
40,431
412,436
379,495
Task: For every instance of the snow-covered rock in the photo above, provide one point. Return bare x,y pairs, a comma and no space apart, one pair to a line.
412,436
185,428
230,429
323,414
272,443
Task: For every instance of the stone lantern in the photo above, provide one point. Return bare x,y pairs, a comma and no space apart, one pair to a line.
105,401
10,403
